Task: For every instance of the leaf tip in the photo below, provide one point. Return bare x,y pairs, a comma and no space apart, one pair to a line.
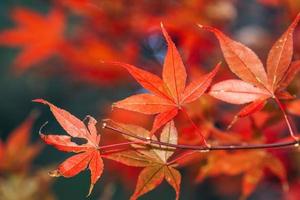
218,66
90,190
232,123
208,28
166,34
204,27
54,173
43,126
38,100
162,25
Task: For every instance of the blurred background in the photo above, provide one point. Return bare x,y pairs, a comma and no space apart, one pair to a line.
53,49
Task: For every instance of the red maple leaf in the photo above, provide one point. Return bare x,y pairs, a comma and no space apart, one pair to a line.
169,94
256,85
39,36
88,154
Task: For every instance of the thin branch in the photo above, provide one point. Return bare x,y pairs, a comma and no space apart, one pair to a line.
202,148
120,144
195,127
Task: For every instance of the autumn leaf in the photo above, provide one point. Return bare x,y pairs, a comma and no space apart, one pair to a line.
249,164
169,94
87,154
33,36
154,158
256,85
18,144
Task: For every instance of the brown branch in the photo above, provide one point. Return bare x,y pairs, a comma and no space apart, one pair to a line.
294,143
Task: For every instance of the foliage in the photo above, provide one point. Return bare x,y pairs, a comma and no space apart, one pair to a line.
174,125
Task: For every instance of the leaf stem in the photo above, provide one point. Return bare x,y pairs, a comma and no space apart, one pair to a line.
202,148
195,126
286,117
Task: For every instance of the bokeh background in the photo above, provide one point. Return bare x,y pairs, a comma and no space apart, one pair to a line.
53,49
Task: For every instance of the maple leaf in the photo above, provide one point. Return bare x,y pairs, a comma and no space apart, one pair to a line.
256,85
33,35
249,164
154,158
88,154
17,144
170,93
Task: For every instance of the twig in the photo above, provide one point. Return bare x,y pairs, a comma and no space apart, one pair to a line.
202,148
195,127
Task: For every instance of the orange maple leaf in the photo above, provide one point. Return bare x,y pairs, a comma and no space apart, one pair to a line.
170,93
257,85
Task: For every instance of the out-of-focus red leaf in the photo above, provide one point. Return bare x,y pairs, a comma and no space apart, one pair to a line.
18,144
293,193
294,107
33,36
89,66
250,181
250,164
285,95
